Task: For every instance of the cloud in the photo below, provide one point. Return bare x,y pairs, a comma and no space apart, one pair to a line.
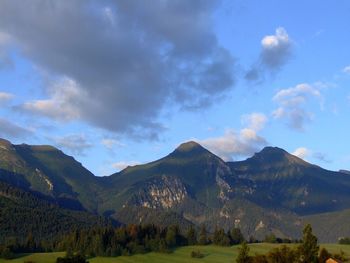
291,104
5,97
111,143
305,153
5,59
302,152
276,50
123,164
321,157
127,60
234,144
347,70
74,143
255,121
9,129
63,102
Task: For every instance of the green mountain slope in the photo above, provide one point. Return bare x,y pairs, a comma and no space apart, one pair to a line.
280,179
24,212
49,171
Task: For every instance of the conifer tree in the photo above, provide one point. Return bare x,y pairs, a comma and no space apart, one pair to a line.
308,249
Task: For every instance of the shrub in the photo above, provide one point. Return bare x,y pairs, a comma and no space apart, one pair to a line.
197,254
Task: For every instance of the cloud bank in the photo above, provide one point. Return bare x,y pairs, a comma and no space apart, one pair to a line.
117,64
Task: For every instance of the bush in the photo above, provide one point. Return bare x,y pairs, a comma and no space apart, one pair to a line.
344,241
7,253
197,254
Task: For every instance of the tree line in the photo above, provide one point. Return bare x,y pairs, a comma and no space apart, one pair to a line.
308,251
132,239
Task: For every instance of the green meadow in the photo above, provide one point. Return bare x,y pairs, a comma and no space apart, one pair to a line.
211,253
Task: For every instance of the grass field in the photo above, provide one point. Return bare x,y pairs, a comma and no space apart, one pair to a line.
212,254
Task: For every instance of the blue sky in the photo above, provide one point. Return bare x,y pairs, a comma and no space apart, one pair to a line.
115,83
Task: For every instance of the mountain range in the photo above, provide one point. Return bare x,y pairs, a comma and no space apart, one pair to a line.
271,192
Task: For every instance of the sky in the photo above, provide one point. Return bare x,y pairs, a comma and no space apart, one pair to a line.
118,83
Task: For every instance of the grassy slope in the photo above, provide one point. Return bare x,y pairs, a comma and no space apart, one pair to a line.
212,254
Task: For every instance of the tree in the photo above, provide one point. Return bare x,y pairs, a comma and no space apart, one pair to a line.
236,236
203,239
271,238
7,253
283,254
324,255
191,236
172,236
308,249
220,238
243,254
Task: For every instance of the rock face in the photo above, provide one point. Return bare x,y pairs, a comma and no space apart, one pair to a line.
163,192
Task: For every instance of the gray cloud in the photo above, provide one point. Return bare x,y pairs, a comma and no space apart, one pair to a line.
9,129
74,143
275,53
5,59
322,157
126,59
292,104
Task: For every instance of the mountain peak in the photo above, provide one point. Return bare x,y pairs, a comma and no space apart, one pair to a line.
5,144
273,150
189,146
274,154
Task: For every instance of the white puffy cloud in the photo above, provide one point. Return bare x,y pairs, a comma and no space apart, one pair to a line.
234,144
276,50
302,152
123,164
296,95
292,104
255,121
347,70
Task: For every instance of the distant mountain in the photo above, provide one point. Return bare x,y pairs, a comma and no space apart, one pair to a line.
271,192
283,180
344,172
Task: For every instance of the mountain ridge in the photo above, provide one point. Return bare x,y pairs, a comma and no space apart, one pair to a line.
272,191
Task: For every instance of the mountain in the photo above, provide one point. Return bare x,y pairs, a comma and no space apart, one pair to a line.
271,192
49,171
283,180
22,213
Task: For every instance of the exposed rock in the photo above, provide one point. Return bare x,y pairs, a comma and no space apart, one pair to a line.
163,192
